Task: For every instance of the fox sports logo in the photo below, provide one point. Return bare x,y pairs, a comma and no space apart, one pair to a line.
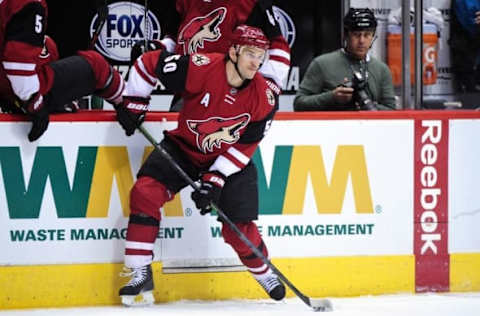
287,27
125,25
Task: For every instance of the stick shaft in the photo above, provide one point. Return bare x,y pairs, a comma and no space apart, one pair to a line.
222,215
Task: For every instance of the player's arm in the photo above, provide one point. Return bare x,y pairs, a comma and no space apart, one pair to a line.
277,66
230,162
239,155
24,41
170,69
148,69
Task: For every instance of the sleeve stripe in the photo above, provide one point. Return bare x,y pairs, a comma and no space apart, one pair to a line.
143,71
238,155
281,60
119,91
18,66
279,53
144,68
275,70
143,75
225,166
138,85
233,160
24,73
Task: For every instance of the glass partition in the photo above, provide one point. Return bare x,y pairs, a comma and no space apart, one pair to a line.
442,67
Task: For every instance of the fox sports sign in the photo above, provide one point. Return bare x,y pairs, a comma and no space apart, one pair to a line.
125,25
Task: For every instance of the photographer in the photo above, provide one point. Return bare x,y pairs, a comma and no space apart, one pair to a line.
348,79
465,45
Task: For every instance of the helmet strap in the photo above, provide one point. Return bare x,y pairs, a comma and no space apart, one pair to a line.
235,63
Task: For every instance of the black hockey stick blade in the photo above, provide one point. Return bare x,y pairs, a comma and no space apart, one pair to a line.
318,305
102,15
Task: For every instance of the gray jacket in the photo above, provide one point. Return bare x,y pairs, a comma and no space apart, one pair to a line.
327,71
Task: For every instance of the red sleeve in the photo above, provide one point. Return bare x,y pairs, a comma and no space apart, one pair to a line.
279,50
142,78
170,69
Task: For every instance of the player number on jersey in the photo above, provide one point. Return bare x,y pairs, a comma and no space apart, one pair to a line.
205,100
170,63
38,24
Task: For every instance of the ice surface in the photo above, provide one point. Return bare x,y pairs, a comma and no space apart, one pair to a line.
448,304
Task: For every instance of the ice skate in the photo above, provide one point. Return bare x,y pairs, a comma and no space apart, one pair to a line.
271,284
138,291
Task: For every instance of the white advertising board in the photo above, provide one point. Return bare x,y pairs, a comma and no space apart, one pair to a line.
464,183
327,188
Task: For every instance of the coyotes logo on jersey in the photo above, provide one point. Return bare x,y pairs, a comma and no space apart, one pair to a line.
214,131
200,29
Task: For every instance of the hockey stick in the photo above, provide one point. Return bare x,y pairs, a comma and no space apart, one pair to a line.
145,24
97,27
318,305
136,50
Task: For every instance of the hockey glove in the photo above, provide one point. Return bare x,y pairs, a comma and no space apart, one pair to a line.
211,185
38,114
40,122
131,113
139,48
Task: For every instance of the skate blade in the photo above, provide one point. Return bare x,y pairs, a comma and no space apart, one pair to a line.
321,305
142,299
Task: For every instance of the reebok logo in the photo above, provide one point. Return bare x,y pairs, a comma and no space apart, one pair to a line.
430,191
431,205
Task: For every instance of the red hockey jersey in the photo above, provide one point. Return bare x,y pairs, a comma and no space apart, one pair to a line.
219,125
207,26
21,49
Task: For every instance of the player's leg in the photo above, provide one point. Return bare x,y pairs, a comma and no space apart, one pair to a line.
109,84
77,76
157,184
239,201
146,198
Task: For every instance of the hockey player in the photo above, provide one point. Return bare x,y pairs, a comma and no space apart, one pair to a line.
228,109
32,81
206,26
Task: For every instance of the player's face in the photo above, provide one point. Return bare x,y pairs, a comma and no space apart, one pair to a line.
249,60
359,42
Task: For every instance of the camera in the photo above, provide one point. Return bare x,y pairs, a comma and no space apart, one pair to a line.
360,96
